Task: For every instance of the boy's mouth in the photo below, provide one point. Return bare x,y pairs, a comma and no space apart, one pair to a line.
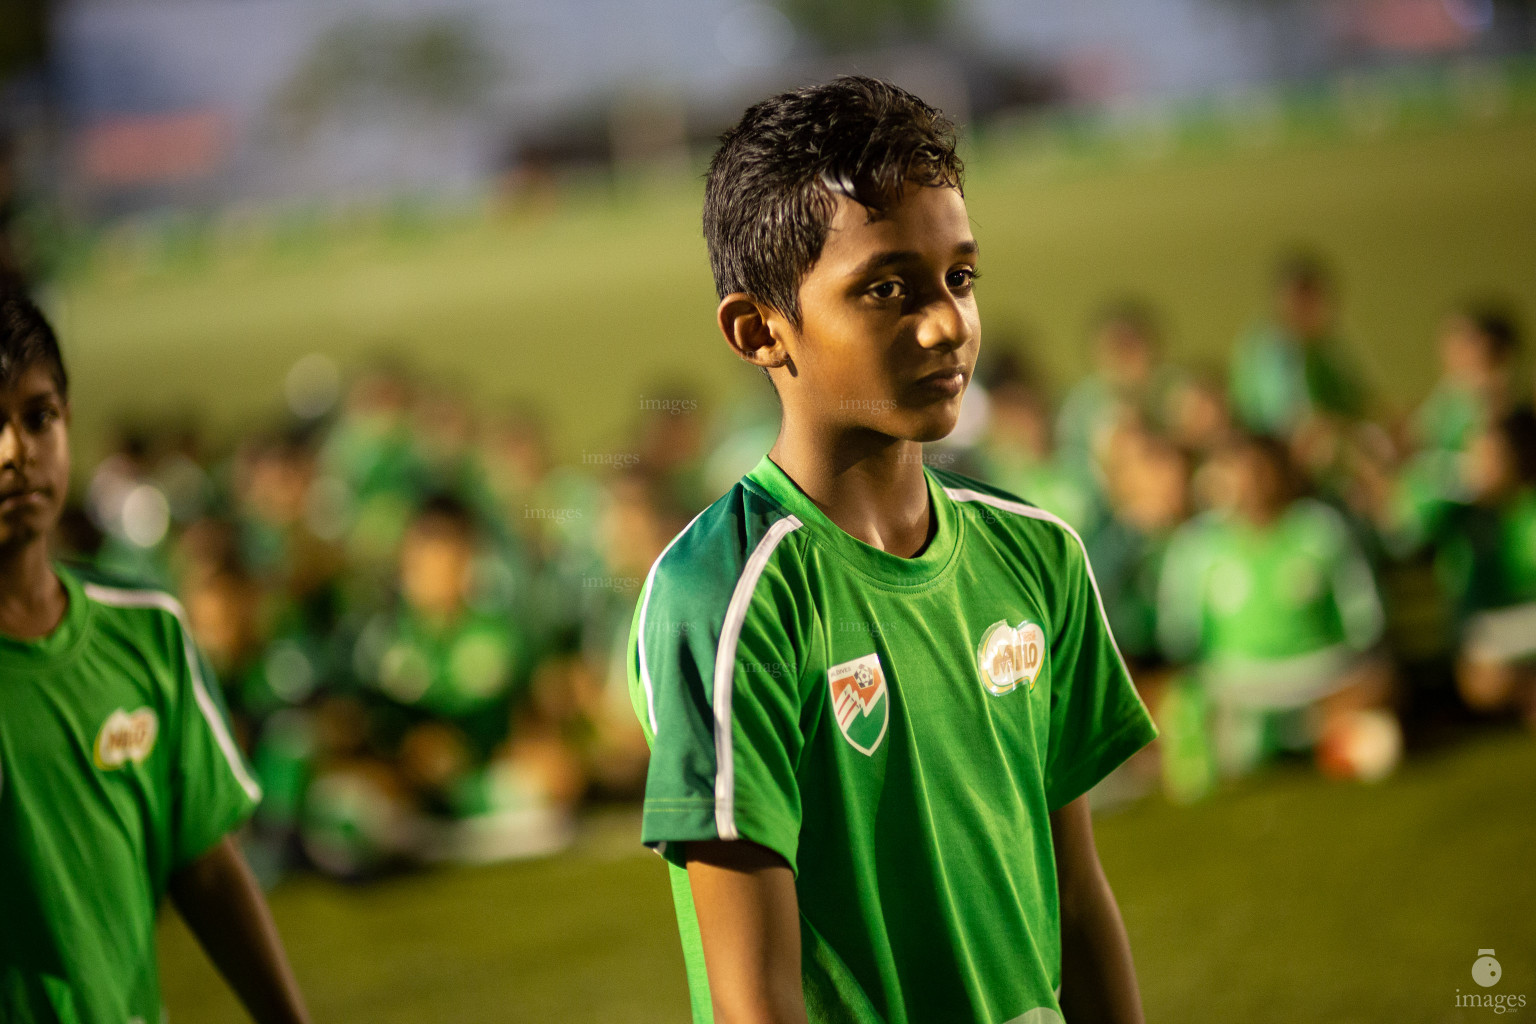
21,496
948,382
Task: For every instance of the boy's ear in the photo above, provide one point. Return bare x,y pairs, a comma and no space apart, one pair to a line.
753,330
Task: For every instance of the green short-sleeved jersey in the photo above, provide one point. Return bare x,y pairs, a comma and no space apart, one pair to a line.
1299,585
465,672
897,729
116,769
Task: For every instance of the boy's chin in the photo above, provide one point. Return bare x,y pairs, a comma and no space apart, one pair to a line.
934,425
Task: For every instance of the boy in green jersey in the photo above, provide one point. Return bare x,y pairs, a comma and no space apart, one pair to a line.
876,693
1273,606
119,781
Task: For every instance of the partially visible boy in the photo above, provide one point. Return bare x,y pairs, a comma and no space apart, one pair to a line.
119,780
1479,346
877,693
1129,379
1016,453
1488,554
1479,349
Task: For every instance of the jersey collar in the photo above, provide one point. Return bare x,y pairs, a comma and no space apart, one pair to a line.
870,561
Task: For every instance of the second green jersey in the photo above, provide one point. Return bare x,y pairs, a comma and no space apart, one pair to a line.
898,730
1297,586
116,769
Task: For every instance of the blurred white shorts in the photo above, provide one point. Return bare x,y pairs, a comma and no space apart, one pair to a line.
1502,634
1279,684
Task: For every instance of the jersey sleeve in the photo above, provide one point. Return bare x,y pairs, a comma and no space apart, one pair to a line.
715,681
1097,719
213,790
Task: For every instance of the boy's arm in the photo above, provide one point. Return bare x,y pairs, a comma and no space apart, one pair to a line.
221,902
1098,979
749,924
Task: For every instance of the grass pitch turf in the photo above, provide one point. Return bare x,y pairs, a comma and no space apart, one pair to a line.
1284,899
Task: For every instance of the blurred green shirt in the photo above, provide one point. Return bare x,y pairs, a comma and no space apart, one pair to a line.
466,672
116,769
1277,381
1295,587
897,729
1487,556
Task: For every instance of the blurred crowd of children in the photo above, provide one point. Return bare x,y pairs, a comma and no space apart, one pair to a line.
418,615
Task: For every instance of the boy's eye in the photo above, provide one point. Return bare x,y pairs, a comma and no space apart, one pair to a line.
961,278
41,419
886,290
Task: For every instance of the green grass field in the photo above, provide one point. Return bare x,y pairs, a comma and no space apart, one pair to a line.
583,306
1284,899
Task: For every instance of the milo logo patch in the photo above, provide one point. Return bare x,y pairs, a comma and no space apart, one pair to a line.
126,737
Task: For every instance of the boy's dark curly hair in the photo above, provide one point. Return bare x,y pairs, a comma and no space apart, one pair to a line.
26,339
773,185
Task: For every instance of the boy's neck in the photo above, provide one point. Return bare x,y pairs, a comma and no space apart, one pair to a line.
32,598
871,487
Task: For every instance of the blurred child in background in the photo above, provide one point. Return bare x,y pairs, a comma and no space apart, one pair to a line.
372,454
1016,451
1129,377
427,743
1272,605
1149,496
1479,349
1148,482
1291,378
1488,557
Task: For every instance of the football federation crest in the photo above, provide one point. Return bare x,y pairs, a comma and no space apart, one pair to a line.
1010,655
126,737
861,702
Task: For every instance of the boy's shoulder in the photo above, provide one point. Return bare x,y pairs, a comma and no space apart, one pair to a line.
1319,525
724,551
114,590
132,609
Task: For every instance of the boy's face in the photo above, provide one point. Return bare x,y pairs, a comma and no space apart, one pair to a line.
1488,468
1256,482
34,457
889,329
436,562
1124,354
1466,354
1306,309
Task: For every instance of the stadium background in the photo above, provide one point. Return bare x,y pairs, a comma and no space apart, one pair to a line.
582,291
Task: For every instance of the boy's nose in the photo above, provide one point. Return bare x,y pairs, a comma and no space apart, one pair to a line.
944,325
10,447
